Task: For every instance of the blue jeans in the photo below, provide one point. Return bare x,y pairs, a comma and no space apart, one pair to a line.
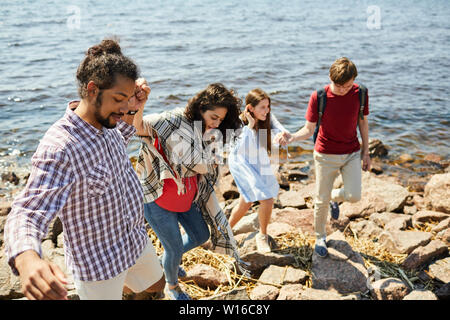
165,224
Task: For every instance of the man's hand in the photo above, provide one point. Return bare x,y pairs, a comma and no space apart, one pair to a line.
41,280
367,162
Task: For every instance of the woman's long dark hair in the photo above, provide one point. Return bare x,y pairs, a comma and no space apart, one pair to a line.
216,95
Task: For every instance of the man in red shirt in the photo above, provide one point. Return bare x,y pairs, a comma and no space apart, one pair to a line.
337,148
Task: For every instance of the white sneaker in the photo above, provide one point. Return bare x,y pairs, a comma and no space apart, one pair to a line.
262,243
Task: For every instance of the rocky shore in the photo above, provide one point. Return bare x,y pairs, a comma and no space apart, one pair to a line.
391,245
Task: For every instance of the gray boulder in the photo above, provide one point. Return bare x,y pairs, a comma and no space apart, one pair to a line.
389,289
440,270
342,269
404,241
421,295
283,275
264,292
423,255
437,192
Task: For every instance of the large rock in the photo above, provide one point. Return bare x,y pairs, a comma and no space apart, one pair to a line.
443,293
292,199
283,275
342,269
206,276
248,223
366,229
404,241
276,229
235,294
389,289
440,270
316,294
377,195
264,292
384,218
421,295
258,261
427,216
444,235
443,225
306,192
423,255
377,148
291,292
300,219
437,192
399,224
226,188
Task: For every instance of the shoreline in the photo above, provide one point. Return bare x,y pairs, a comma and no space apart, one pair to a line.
410,170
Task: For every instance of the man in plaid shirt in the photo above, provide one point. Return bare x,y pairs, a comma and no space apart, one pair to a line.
82,174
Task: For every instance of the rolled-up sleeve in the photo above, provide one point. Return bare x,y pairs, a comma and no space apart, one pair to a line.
45,194
127,131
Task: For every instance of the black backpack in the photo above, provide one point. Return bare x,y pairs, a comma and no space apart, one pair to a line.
322,102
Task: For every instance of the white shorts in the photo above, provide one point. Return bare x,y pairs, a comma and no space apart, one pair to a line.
144,273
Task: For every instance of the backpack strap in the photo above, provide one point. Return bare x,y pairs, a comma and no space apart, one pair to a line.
362,100
321,104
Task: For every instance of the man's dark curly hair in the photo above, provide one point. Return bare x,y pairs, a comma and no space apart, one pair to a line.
216,95
102,63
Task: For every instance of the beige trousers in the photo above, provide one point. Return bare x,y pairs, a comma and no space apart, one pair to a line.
328,167
144,273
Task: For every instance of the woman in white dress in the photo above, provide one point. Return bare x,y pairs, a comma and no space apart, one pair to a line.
249,163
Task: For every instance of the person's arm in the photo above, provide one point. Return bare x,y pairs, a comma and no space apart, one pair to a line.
46,192
364,131
304,133
281,135
142,92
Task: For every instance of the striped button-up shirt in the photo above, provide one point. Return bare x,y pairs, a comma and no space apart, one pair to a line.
84,176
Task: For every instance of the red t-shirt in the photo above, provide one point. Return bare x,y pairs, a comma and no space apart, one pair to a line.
337,132
170,199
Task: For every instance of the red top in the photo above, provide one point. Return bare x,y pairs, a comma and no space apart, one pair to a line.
170,199
337,132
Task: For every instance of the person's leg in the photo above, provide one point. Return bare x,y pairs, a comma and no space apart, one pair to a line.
327,169
264,213
196,229
351,177
239,211
110,289
165,225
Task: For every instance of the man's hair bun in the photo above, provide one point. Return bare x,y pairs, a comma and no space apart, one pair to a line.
107,46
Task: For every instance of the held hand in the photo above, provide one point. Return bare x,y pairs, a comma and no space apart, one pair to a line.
366,162
286,138
250,119
41,280
142,90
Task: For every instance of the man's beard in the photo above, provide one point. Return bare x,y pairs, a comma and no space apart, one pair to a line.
103,121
